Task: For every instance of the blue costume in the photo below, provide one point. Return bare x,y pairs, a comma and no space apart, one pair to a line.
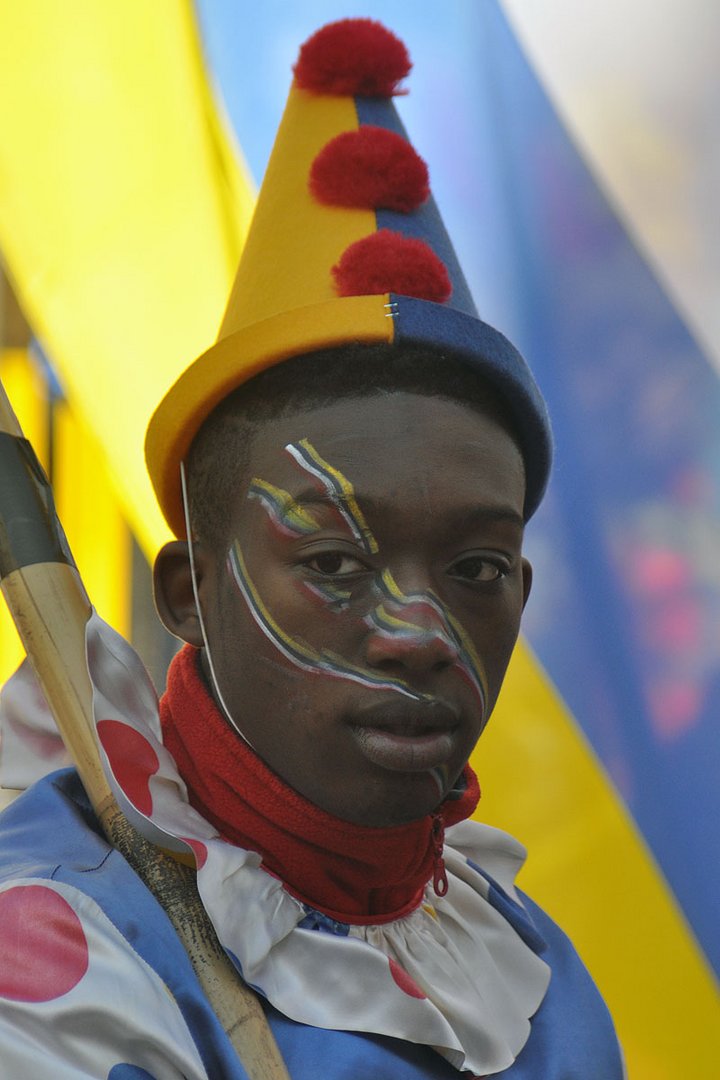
49,838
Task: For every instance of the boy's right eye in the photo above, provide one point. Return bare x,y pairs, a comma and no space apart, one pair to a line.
335,564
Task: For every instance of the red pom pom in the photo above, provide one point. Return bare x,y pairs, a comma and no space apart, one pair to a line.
388,262
352,56
370,168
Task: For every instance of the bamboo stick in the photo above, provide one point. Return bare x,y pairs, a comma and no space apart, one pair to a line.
50,608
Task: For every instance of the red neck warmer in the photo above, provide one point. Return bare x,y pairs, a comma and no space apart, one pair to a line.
353,873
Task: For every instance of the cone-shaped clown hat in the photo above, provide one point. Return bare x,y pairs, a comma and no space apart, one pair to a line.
346,245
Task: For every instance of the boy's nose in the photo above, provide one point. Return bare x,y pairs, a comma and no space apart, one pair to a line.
414,638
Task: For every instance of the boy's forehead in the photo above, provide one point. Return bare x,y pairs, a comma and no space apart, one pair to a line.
384,442
361,422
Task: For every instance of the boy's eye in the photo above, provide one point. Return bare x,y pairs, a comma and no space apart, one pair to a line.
335,564
480,568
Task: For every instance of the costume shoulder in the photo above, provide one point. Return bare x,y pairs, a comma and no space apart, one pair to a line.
573,1023
572,1034
82,943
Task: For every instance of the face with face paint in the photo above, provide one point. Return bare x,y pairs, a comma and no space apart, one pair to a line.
362,611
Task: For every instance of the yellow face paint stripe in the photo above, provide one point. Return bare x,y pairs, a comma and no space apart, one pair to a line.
392,587
325,662
384,618
281,504
473,664
347,493
255,603
466,644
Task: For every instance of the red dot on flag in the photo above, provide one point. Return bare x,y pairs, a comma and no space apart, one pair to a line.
132,760
43,949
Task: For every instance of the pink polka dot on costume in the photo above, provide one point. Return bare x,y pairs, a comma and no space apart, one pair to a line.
198,849
403,980
43,950
132,760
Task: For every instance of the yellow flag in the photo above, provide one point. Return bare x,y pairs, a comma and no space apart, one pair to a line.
590,868
123,204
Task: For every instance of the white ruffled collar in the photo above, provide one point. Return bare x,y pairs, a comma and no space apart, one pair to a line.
454,974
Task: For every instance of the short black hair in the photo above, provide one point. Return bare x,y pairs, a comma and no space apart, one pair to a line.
219,454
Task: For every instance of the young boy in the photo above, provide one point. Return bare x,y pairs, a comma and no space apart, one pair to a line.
348,471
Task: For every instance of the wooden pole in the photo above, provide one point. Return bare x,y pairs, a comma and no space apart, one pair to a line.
50,608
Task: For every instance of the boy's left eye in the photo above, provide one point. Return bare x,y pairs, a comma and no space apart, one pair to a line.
335,564
480,568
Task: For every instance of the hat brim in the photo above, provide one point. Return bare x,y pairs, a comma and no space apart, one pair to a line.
234,360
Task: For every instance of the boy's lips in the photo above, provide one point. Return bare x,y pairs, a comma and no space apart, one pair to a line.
407,738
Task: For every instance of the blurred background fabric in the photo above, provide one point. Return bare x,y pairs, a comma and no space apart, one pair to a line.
574,153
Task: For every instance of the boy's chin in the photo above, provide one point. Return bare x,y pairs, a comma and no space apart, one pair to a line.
409,797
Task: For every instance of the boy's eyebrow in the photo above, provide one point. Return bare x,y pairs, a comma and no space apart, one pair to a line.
463,516
481,515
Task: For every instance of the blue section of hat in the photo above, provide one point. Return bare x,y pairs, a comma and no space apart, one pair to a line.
424,223
497,361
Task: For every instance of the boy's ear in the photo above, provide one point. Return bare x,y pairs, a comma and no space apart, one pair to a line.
174,597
